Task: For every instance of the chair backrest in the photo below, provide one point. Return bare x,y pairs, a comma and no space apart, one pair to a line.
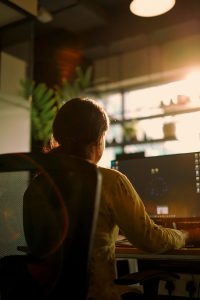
56,216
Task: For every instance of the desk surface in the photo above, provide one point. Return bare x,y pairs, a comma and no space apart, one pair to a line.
127,251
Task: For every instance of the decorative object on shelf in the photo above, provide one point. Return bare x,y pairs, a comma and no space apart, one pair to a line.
130,131
151,8
183,99
169,130
181,104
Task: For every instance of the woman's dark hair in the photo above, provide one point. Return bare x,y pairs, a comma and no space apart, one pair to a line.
78,124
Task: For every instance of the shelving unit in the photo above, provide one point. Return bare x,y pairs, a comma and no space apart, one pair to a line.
151,116
170,111
140,142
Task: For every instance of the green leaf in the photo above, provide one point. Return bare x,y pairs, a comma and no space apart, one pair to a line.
50,104
86,79
26,88
79,86
39,90
47,97
46,101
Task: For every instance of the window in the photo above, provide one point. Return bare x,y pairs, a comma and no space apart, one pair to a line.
157,120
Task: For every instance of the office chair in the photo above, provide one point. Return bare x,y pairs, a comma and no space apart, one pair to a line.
60,270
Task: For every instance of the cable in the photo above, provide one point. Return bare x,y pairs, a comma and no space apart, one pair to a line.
198,291
191,288
170,287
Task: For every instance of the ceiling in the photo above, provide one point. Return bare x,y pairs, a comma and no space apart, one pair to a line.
9,15
105,27
83,31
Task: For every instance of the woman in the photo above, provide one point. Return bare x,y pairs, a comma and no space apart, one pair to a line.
80,129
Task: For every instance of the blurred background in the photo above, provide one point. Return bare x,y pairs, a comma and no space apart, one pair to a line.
144,70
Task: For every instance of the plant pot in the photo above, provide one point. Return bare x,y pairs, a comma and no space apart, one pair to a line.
169,130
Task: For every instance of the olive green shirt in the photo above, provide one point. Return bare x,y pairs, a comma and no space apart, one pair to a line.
121,208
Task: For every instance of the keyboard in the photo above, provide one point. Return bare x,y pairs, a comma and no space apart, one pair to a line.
178,223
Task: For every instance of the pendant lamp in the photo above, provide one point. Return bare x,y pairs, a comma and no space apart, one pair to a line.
151,8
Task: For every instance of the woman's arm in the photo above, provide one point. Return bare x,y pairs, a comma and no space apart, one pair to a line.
137,226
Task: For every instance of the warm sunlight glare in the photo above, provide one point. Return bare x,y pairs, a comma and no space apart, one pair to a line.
192,84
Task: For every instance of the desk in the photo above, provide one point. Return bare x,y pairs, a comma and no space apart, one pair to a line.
126,251
185,260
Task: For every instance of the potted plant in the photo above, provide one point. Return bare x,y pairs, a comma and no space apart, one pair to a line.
130,131
46,102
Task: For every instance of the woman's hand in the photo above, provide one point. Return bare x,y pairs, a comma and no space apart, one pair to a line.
192,236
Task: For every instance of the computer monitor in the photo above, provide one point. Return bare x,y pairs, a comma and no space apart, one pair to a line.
169,185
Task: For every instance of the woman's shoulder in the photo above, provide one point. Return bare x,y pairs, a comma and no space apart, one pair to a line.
117,179
112,173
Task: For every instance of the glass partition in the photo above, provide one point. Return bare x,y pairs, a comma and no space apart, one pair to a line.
16,64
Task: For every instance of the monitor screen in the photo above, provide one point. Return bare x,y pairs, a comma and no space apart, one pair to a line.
168,185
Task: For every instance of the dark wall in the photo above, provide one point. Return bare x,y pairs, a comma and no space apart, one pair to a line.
56,57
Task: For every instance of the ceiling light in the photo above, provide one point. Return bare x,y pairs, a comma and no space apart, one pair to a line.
44,15
151,8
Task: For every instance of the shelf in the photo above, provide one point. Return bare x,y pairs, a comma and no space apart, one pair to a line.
168,112
172,113
140,142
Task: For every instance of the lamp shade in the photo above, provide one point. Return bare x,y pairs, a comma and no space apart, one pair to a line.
151,8
44,15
